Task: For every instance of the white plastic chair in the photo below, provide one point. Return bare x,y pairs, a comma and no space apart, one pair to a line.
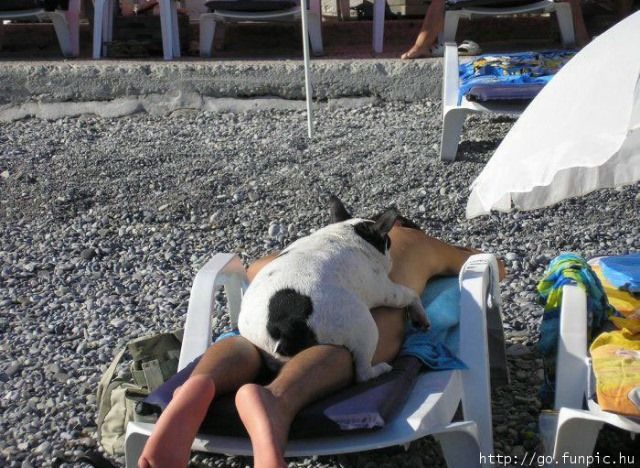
66,24
562,10
431,405
104,11
571,429
208,23
454,114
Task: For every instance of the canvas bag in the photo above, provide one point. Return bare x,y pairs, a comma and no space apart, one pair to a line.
153,360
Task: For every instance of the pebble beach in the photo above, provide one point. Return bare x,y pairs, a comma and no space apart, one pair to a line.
105,222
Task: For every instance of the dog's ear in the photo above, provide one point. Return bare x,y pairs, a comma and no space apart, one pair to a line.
338,212
385,221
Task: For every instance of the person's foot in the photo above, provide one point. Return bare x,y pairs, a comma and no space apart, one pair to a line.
170,442
417,52
267,425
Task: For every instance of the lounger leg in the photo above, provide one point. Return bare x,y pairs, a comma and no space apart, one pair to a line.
73,21
133,446
378,25
315,27
451,19
460,447
452,124
62,31
98,25
109,19
575,439
1,33
207,34
175,29
565,23
167,29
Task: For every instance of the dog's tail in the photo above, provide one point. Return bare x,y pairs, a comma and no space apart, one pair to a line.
288,322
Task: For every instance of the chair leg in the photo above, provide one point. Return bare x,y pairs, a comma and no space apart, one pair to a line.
207,34
451,19
166,24
461,448
575,439
378,25
62,31
315,27
133,446
98,24
73,21
565,23
343,9
109,18
175,29
1,33
452,124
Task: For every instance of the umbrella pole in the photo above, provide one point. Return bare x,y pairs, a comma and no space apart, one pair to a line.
307,72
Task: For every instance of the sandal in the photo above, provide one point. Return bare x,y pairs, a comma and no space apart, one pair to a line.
468,47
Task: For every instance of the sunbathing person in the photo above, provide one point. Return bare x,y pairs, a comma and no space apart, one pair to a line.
267,411
433,24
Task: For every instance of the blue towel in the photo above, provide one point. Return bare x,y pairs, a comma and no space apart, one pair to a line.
436,348
623,271
511,70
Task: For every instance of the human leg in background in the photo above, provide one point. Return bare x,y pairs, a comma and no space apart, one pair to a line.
432,25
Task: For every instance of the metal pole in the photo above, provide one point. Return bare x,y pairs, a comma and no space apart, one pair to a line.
307,66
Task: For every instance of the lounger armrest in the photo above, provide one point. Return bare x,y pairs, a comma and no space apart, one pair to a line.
450,84
571,364
479,296
221,270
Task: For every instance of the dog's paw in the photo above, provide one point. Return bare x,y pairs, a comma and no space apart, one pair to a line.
369,372
418,315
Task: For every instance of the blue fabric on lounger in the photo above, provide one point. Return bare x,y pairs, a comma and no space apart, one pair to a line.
516,76
366,405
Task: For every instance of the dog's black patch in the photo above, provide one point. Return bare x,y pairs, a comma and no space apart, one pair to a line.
288,315
367,231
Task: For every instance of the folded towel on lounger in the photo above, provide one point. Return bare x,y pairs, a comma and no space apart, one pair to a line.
524,72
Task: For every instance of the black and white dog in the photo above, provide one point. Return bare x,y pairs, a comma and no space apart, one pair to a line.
321,288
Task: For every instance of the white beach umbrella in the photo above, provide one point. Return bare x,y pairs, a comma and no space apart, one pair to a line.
580,134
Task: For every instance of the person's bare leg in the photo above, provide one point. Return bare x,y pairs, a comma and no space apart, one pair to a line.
582,35
267,412
223,368
432,25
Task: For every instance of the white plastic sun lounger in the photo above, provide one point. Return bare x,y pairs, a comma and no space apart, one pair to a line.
65,22
570,431
431,405
561,9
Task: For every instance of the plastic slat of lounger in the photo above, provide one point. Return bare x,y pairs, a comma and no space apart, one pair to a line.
221,270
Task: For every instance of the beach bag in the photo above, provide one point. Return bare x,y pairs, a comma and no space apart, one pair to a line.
151,361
